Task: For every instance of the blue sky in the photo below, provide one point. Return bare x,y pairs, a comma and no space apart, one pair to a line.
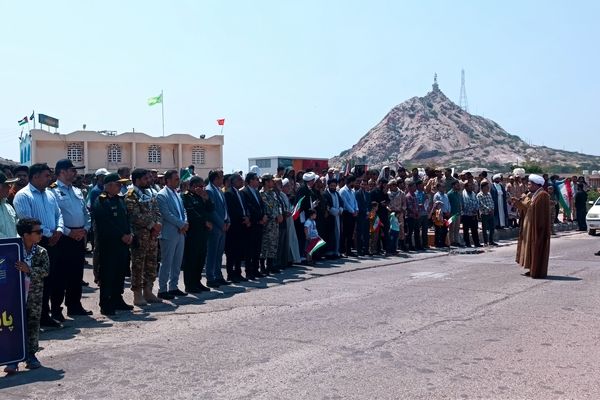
303,78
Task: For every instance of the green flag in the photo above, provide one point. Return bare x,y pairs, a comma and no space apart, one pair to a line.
186,175
155,100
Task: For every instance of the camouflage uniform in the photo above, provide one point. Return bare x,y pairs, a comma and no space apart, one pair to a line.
270,237
143,215
40,267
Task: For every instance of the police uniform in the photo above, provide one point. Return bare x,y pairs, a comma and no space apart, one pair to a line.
112,223
143,213
70,253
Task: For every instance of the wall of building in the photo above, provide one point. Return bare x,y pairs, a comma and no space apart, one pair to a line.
175,150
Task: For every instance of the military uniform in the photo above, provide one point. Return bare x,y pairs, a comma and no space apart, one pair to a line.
143,213
270,237
111,223
194,256
39,263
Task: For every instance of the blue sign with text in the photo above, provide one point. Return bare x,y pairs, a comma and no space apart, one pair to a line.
13,323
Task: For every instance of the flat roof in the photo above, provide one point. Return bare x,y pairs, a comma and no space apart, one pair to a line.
293,158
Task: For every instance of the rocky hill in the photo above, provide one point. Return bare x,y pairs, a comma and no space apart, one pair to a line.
434,131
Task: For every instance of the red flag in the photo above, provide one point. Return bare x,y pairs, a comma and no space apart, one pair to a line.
221,121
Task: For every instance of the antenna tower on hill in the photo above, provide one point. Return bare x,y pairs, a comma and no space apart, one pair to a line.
462,101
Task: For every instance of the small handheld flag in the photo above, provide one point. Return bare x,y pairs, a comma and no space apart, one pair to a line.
23,121
452,220
314,245
296,212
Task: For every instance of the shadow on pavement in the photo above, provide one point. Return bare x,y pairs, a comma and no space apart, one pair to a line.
24,377
562,278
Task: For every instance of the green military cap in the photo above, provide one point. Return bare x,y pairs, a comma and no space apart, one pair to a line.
114,177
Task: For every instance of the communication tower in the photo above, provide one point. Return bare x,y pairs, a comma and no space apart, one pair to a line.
462,101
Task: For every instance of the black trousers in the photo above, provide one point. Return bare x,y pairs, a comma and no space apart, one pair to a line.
469,223
234,250
440,236
113,264
66,273
421,228
299,226
194,258
348,224
253,245
413,238
362,234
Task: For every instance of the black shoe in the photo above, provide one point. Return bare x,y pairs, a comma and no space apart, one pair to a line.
241,278
233,279
79,311
493,244
274,270
259,275
177,293
84,283
165,296
213,284
107,311
58,316
121,306
193,290
224,282
47,321
203,288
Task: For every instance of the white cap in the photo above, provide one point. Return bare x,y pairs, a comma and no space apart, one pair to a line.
309,176
285,181
497,176
538,180
101,171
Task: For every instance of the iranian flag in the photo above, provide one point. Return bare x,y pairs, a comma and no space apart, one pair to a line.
296,212
376,224
314,245
564,192
451,220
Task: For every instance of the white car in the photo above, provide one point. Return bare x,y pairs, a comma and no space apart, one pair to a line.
593,217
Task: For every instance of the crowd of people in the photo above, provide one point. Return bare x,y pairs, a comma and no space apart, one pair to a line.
150,226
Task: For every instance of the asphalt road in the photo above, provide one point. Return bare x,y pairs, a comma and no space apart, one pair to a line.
426,327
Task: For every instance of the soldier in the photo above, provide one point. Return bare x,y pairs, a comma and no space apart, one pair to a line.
270,237
144,217
198,207
114,238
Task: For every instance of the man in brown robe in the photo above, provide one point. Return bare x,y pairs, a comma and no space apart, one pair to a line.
533,249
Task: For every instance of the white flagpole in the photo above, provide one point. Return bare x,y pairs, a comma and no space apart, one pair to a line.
162,106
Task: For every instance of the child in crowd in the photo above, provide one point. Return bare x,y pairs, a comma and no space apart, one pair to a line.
374,228
36,265
440,224
394,233
311,233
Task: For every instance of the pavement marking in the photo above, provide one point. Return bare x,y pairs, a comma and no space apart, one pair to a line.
426,274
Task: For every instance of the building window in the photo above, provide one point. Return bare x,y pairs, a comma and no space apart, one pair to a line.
75,152
154,154
198,155
265,163
114,153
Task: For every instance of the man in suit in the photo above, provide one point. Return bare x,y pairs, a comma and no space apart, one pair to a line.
238,230
379,195
363,201
172,236
216,238
256,213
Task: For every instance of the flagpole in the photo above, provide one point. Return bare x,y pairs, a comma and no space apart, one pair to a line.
162,106
222,126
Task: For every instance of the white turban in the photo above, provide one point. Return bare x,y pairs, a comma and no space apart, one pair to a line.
309,176
284,182
538,180
256,170
497,176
